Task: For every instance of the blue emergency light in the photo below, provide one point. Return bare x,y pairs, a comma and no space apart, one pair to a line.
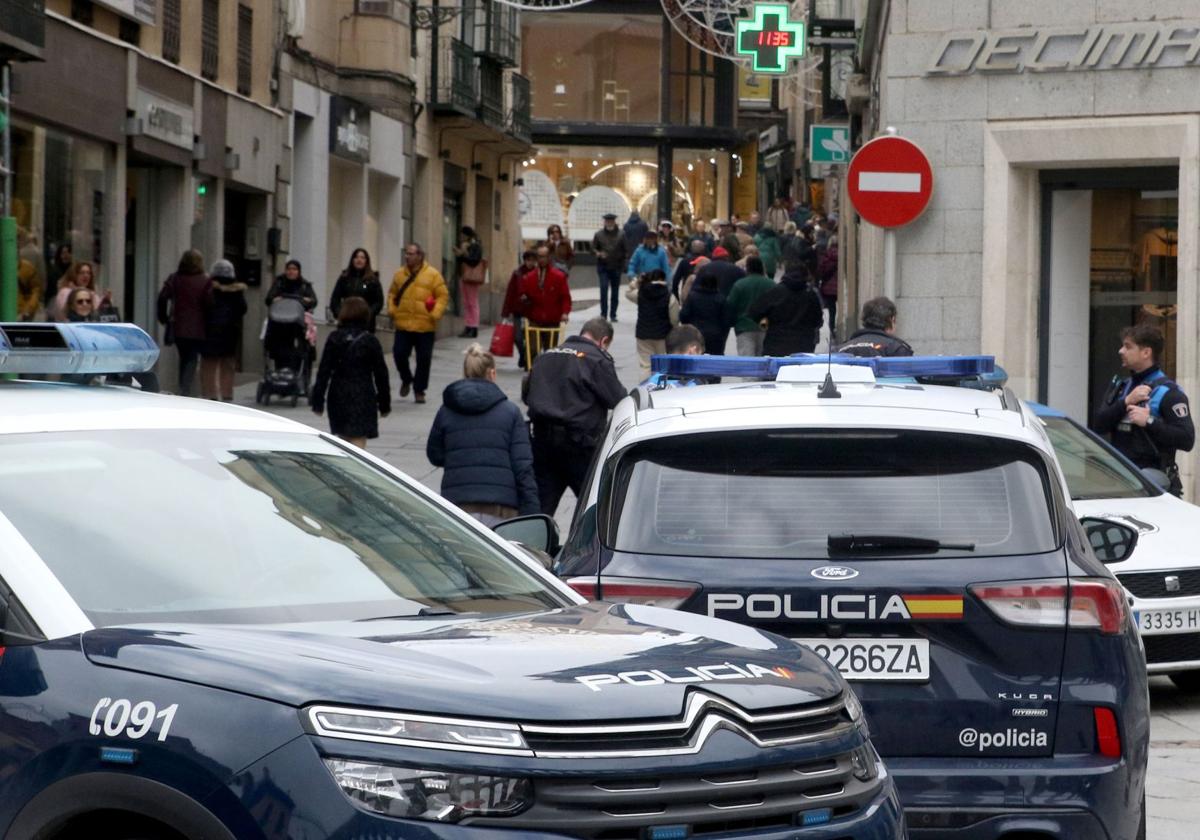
768,367
80,348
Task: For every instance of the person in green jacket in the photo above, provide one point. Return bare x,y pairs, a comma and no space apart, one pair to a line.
767,240
744,292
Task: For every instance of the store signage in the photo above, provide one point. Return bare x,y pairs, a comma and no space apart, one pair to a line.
828,143
143,11
1118,46
769,38
165,119
349,129
890,181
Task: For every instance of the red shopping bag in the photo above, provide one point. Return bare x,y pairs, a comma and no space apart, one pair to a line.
502,339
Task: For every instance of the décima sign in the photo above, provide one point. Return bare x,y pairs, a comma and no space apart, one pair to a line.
1117,46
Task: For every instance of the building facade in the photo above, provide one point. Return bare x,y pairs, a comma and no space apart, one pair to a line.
1065,143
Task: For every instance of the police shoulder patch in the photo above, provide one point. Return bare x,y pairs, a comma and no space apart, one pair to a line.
1180,409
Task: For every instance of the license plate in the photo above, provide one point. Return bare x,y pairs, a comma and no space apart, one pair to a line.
1164,622
875,659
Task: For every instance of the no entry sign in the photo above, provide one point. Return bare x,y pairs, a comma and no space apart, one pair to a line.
890,181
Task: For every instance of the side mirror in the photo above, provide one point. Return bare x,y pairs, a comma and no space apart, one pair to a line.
1112,541
1159,478
537,531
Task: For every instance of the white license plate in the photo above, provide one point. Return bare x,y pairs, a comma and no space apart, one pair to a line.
1160,622
875,659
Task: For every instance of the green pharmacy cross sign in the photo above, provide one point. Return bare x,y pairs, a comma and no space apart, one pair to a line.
770,38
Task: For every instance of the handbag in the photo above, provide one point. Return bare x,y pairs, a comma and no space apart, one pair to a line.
476,274
503,338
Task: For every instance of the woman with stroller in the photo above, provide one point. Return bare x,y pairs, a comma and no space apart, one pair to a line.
292,284
181,309
223,329
290,336
353,378
358,280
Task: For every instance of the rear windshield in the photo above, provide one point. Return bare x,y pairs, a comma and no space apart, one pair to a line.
784,493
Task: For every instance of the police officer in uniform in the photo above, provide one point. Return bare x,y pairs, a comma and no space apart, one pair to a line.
1147,415
569,392
878,334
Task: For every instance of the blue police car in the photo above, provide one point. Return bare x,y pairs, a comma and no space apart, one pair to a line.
219,624
919,537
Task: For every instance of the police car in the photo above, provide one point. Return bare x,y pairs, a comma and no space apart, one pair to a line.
1162,574
919,537
217,623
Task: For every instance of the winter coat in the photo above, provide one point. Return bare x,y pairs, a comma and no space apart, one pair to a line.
658,310
827,267
223,324
777,217
562,256
799,251
793,313
299,288
745,291
548,303
870,341
512,294
365,285
705,310
355,376
409,311
768,249
634,232
726,272
481,440
647,259
612,243
182,303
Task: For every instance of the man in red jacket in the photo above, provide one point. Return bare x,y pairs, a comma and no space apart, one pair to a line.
545,301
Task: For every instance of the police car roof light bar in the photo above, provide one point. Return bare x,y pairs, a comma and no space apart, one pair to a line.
79,348
767,367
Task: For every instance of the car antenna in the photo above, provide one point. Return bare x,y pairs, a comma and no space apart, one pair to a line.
828,389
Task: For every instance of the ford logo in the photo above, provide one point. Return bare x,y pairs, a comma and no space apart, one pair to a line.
834,573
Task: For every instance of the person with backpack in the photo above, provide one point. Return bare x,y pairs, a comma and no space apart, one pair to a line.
472,273
358,280
222,332
352,379
657,312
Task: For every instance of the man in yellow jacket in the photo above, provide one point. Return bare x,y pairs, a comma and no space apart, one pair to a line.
416,302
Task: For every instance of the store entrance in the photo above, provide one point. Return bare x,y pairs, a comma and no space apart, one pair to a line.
1109,261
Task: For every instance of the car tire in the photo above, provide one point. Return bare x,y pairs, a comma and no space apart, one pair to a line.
1187,681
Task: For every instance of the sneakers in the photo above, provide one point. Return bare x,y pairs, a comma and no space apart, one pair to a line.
613,319
420,397
405,387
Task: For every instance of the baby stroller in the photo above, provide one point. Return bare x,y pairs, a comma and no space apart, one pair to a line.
289,352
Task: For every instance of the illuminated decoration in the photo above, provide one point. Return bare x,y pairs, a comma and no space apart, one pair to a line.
770,39
543,5
709,25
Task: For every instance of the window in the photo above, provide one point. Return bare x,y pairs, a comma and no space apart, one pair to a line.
693,84
130,31
210,30
245,49
82,11
172,18
394,9
1092,472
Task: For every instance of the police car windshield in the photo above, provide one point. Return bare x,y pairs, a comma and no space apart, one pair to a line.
784,493
1091,469
243,527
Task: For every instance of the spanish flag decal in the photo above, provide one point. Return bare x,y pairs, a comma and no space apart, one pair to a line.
934,606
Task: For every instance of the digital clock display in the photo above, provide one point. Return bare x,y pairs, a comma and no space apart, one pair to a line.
774,39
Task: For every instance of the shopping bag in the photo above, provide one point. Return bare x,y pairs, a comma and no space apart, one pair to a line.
502,339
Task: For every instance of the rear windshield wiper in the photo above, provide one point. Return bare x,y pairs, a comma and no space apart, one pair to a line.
867,543
424,612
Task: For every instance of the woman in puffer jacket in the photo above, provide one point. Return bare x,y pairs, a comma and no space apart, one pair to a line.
480,438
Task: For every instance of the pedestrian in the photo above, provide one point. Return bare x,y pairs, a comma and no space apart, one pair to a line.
417,300
80,305
634,230
472,273
767,242
222,331
747,332
352,379
727,239
1146,415
545,300
562,255
701,234
647,257
686,286
744,237
792,311
777,215
657,312
827,276
609,247
292,284
685,340
877,336
705,310
686,266
58,267
81,275
481,441
570,391
747,252
511,308
358,279
755,223
669,242
723,268
182,309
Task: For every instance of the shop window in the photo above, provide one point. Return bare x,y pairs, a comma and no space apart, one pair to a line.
245,49
130,31
172,17
209,38
693,84
83,12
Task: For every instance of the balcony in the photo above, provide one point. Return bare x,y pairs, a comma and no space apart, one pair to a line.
457,89
491,93
22,30
516,106
497,34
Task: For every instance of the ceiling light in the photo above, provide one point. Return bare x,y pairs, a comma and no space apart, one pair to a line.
595,163
690,167
713,161
570,165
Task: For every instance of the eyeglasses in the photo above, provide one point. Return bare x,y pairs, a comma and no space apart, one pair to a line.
84,301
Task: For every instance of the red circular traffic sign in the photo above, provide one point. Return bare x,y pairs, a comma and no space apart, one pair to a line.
890,181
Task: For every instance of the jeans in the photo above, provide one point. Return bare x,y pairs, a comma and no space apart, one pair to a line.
189,358
750,343
610,278
406,342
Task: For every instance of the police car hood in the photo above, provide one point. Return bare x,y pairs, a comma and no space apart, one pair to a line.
590,662
1168,530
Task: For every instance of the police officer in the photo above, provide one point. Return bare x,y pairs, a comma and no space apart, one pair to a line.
569,392
1147,415
878,334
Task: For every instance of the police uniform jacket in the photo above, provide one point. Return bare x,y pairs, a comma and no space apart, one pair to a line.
1171,428
573,387
873,342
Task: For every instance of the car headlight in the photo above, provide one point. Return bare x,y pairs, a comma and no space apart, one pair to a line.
418,730
853,705
864,763
436,795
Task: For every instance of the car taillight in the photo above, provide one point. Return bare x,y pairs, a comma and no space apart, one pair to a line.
655,593
1095,604
1108,737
